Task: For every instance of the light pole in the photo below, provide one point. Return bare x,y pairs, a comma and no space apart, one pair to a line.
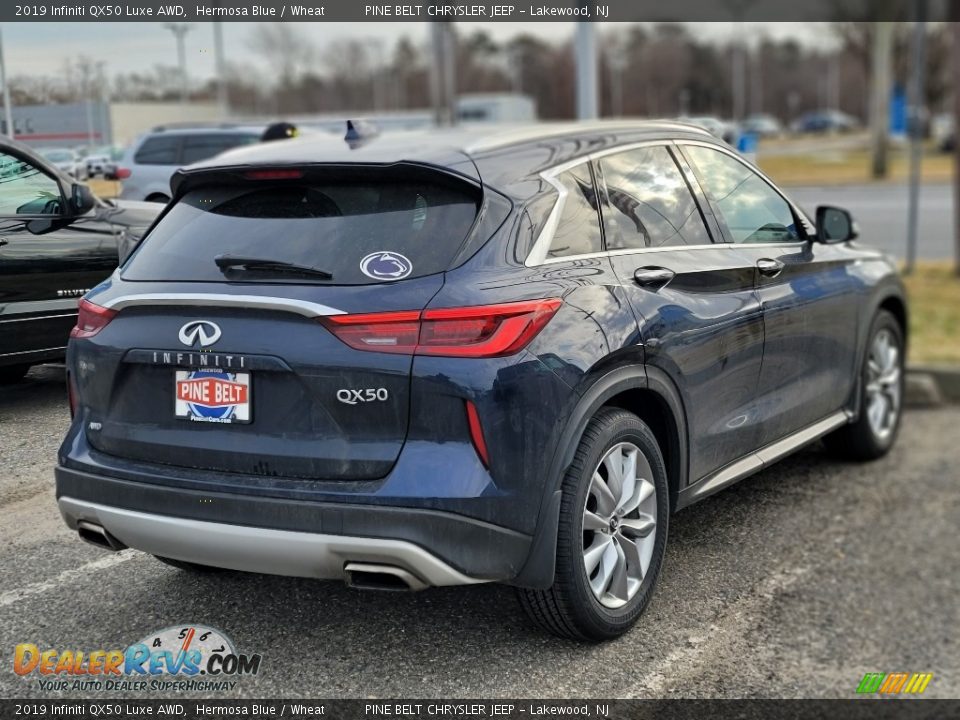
586,54
738,9
616,63
443,78
915,129
223,102
180,31
7,107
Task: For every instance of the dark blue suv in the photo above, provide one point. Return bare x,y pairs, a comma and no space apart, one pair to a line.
449,358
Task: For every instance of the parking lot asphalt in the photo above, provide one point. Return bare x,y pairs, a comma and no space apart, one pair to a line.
793,583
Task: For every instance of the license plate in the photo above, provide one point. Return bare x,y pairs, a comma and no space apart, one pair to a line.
211,395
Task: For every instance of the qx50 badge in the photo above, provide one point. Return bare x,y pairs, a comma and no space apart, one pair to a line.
204,331
352,397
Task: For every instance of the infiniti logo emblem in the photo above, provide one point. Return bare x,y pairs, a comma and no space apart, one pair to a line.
203,330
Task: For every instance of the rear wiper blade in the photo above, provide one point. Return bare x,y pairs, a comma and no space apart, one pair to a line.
232,262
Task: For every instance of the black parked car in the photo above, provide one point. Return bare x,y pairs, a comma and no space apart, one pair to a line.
450,359
57,241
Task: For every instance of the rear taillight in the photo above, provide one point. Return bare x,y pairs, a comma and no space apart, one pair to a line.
122,173
91,319
479,331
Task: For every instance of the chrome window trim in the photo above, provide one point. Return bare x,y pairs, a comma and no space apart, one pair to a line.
538,253
33,352
35,318
259,302
54,305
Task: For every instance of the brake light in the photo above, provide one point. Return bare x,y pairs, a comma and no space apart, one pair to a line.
122,173
91,319
273,174
479,331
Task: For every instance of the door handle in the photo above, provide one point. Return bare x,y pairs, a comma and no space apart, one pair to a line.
769,267
3,242
652,278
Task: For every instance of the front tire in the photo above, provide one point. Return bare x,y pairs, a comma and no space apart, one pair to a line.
881,396
612,533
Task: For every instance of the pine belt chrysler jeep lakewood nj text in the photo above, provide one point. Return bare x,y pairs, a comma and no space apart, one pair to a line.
457,359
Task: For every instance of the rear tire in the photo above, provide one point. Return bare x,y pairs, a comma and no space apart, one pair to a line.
188,566
881,396
13,373
612,533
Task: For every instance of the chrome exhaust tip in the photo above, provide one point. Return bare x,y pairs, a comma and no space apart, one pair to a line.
97,535
369,576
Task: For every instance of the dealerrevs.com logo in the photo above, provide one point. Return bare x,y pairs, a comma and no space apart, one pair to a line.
177,658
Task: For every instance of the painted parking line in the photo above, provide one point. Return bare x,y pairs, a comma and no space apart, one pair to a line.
11,597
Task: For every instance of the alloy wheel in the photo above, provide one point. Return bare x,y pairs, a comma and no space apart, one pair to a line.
883,384
619,525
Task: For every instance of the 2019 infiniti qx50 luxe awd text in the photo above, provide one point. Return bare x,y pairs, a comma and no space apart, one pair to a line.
448,358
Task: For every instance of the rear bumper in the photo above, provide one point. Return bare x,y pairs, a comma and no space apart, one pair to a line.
291,537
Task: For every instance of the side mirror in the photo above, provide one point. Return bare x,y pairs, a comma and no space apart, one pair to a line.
82,199
835,225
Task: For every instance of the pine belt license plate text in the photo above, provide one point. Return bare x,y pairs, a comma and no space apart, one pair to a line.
211,395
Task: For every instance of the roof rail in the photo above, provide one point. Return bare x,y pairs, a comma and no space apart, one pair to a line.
204,124
527,133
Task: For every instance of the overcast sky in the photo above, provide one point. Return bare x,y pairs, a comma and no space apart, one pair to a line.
42,48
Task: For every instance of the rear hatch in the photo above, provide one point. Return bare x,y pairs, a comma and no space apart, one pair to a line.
222,356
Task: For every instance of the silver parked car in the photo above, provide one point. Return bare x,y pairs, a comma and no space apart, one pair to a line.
65,160
154,157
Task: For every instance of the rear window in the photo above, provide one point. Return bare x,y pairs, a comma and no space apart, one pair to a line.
359,231
201,147
160,150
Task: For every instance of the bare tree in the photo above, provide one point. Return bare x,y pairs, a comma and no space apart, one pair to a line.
289,52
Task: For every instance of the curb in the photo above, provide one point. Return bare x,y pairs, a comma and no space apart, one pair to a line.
932,385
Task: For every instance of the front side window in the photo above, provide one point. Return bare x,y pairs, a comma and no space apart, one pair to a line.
753,211
27,190
578,231
648,202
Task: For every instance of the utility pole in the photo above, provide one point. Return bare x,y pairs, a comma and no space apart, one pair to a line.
918,61
180,31
7,106
223,101
881,73
586,60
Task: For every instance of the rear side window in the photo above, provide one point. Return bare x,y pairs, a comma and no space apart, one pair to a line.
578,231
753,211
201,147
158,150
360,231
649,202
